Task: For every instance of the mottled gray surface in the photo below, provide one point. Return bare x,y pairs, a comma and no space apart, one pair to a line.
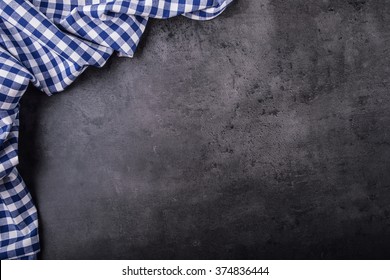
261,134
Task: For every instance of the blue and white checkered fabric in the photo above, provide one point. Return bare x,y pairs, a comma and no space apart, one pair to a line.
50,43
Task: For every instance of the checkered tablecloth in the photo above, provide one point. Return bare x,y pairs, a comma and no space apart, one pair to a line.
50,43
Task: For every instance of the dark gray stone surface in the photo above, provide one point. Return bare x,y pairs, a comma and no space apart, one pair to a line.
261,134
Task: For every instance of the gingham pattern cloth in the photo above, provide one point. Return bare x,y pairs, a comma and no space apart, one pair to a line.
50,43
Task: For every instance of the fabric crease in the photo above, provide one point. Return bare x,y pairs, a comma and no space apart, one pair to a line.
49,43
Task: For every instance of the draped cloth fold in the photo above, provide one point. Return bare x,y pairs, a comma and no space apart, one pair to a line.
50,43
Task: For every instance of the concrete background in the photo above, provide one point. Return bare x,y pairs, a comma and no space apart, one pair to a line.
261,134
